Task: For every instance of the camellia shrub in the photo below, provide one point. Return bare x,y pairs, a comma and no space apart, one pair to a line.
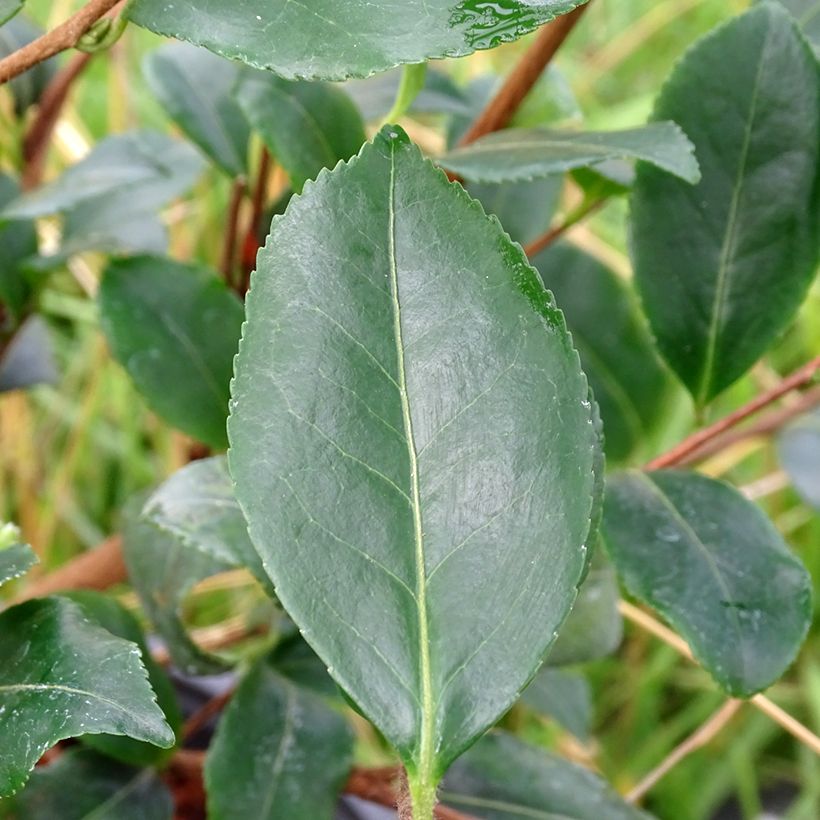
427,419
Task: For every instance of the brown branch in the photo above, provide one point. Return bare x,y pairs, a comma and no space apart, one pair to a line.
523,77
65,36
556,232
200,718
251,244
228,263
35,144
801,377
99,568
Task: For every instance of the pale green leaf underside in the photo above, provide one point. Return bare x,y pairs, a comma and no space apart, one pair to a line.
333,40
715,567
528,153
409,418
62,677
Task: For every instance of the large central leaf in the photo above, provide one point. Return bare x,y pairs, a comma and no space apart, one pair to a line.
413,447
335,39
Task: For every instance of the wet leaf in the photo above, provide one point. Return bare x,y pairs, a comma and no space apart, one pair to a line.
62,677
715,567
447,469
15,561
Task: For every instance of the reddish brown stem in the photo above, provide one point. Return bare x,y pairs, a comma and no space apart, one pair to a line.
65,36
523,77
35,144
228,264
556,232
201,718
251,245
696,441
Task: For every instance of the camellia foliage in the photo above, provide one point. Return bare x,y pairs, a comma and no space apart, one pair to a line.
393,428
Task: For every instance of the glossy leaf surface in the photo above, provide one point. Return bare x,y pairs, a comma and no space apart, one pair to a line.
723,266
152,167
63,677
447,467
799,450
306,126
526,153
15,561
174,328
329,40
715,567
82,785
502,778
630,384
197,89
302,753
197,505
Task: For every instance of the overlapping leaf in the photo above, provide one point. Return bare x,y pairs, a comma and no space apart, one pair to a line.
15,561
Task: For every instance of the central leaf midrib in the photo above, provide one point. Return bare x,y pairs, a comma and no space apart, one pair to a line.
425,751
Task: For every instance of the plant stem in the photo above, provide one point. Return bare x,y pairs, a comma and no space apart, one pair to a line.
65,36
423,798
228,263
689,445
523,77
573,218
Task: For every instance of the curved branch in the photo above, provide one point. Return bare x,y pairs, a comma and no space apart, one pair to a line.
65,36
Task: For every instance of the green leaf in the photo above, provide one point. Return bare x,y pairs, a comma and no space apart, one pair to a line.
565,697
617,354
151,167
197,505
28,358
15,561
723,266
26,88
163,570
62,677
528,153
81,785
594,628
294,659
329,40
715,567
174,328
502,778
807,14
799,449
525,209
196,88
106,612
447,469
8,8
301,753
19,242
306,126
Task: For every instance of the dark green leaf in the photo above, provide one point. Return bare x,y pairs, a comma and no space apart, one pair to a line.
715,567
528,153
28,359
301,753
163,570
502,778
447,469
799,450
197,505
629,382
62,677
8,8
807,13
27,87
594,628
18,241
525,209
174,328
565,697
81,785
306,126
114,618
196,88
15,561
326,39
723,266
294,659
151,167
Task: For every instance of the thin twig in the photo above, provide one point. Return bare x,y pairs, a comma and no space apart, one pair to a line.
202,717
238,191
35,144
523,77
251,244
697,740
649,624
556,232
65,36
676,455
